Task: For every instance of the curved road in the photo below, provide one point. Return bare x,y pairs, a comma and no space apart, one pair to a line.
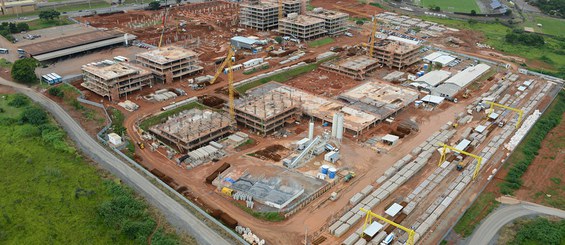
176,214
502,216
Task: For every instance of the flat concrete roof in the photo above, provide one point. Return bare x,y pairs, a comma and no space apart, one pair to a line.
302,20
82,48
108,69
326,14
192,124
357,63
70,41
266,105
167,54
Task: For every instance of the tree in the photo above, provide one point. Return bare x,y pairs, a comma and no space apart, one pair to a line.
473,12
508,12
279,39
437,9
155,5
18,101
359,22
33,115
13,28
22,27
56,91
179,1
23,70
49,14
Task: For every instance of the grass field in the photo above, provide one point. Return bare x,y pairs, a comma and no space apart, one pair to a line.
51,195
549,55
464,6
321,42
550,26
42,24
154,120
484,204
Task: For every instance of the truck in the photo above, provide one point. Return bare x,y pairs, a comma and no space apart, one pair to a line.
388,239
349,176
334,196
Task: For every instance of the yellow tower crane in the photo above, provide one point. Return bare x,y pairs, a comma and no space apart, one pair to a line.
479,159
369,219
228,63
373,32
281,9
492,105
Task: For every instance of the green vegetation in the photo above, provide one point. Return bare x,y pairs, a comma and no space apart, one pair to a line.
484,205
23,70
540,231
321,42
268,216
155,5
56,91
495,34
364,19
49,15
554,7
5,64
281,77
159,118
69,97
51,195
117,121
378,5
518,36
527,150
464,6
42,24
78,7
550,26
9,28
256,69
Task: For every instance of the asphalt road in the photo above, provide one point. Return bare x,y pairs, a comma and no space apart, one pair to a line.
502,216
175,213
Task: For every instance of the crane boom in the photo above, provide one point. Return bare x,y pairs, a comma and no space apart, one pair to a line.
164,26
281,15
479,158
492,105
228,63
373,32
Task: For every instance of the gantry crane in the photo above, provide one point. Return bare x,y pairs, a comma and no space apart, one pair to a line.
479,159
492,105
369,219
228,63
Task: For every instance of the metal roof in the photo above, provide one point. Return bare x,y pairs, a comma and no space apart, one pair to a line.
463,145
394,209
434,78
244,40
372,229
469,74
433,99
390,138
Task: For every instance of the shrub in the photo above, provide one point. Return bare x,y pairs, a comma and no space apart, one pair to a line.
33,115
18,101
56,91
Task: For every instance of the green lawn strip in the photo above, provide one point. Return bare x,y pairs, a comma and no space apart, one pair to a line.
161,117
540,231
321,42
527,150
268,216
5,64
51,195
464,6
77,7
483,206
42,24
550,26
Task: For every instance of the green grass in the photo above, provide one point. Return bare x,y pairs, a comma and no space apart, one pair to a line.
495,37
484,205
42,24
77,7
51,195
154,120
464,6
550,26
268,216
281,77
320,42
540,231
117,121
5,64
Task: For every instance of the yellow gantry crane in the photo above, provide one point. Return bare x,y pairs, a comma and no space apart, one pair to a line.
228,63
369,219
492,105
479,159
373,32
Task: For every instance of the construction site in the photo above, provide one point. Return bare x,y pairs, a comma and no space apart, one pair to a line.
356,141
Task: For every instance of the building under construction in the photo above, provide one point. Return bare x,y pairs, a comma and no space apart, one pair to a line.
267,112
354,67
113,80
302,26
335,22
395,54
265,15
170,63
192,128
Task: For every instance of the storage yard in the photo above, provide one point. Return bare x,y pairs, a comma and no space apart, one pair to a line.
309,140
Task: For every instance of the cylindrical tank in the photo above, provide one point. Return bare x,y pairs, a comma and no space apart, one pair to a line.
311,131
334,125
339,134
426,67
324,169
331,172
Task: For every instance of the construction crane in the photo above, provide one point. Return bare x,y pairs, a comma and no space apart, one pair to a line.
228,63
369,219
373,32
164,26
281,15
492,105
443,155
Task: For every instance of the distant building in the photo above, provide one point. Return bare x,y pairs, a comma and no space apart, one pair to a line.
396,54
335,22
18,7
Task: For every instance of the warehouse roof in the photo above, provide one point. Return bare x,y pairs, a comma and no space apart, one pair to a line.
463,78
433,99
434,78
245,40
70,41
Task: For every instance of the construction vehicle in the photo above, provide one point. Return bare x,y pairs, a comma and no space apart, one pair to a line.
373,38
369,220
334,196
228,61
227,191
141,145
349,176
463,164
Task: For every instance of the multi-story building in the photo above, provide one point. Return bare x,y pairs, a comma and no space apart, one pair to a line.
113,80
335,22
302,26
265,15
396,54
170,63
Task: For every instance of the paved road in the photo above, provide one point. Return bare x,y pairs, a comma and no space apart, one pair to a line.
176,214
502,216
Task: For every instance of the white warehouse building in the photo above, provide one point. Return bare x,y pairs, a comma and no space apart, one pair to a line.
460,80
